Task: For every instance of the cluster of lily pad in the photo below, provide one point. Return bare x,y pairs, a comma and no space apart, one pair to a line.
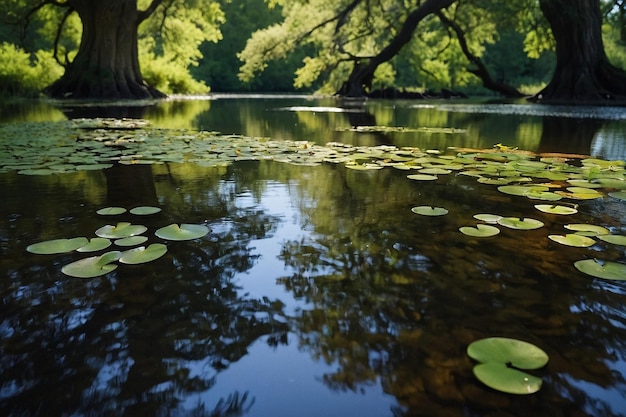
503,363
123,234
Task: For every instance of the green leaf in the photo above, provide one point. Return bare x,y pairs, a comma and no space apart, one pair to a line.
142,254
92,267
95,244
587,229
422,177
50,247
488,218
122,229
602,269
111,211
555,209
429,211
520,223
572,239
144,210
481,230
505,379
182,232
520,354
131,241
614,239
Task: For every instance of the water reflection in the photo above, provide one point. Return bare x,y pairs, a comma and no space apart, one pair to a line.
317,292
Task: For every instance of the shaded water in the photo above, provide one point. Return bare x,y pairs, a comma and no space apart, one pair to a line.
318,291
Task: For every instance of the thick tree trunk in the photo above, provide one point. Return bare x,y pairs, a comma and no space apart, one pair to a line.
360,80
583,72
107,63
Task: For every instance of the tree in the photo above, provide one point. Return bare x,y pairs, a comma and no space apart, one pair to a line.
106,64
583,72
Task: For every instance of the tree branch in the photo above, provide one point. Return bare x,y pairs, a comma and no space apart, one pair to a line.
144,14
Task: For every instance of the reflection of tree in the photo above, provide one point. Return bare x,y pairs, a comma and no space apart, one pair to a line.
140,340
572,134
397,298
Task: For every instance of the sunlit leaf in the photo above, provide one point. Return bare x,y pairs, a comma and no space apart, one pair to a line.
572,239
602,269
111,211
182,232
95,244
556,209
518,353
429,211
143,254
587,229
55,246
505,379
481,230
131,241
92,267
614,239
144,210
122,229
488,218
422,177
520,223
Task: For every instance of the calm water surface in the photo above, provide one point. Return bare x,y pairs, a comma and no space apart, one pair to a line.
317,292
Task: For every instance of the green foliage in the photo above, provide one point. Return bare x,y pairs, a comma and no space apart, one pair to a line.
167,76
24,74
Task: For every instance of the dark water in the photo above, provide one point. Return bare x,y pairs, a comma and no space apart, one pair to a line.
318,292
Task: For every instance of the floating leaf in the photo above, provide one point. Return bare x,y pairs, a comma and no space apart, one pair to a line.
520,223
602,269
429,211
182,232
614,239
92,267
422,177
95,244
520,354
144,210
50,247
122,229
142,254
572,239
587,229
131,241
111,211
620,195
488,218
481,230
522,190
505,379
556,209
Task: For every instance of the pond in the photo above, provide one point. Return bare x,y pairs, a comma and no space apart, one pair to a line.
320,289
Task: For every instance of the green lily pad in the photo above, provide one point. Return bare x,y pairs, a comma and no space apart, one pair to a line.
144,210
422,177
488,218
92,267
587,229
517,353
481,230
429,211
50,247
506,379
555,209
131,241
572,239
122,229
111,211
602,269
520,223
95,244
142,254
522,190
614,239
620,195
182,232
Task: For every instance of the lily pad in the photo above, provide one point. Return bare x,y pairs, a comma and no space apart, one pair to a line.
614,239
555,209
505,379
488,218
502,361
111,211
481,230
144,210
430,211
620,195
131,241
142,254
422,177
587,229
122,229
92,267
182,232
520,223
95,244
50,247
572,239
602,269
